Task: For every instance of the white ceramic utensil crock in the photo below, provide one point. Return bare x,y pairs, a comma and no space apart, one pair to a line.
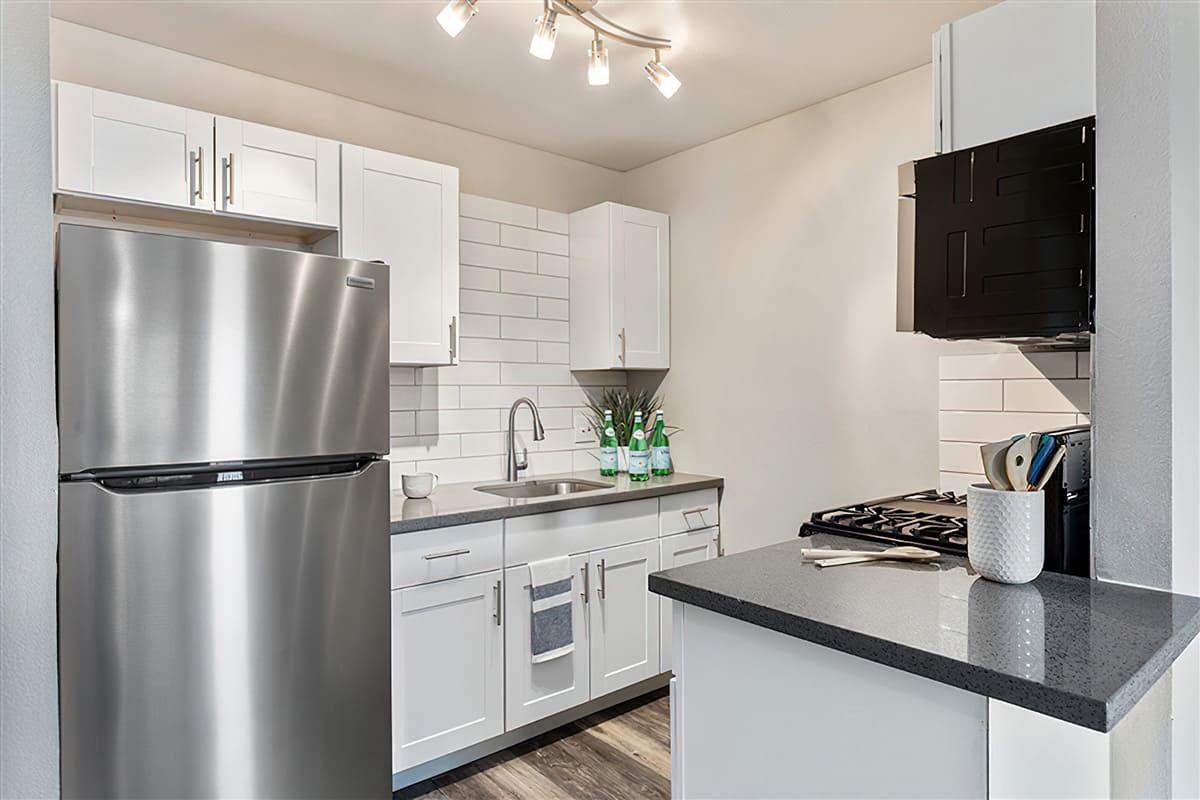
1006,533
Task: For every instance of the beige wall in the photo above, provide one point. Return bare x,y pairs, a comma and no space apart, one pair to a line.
786,371
490,167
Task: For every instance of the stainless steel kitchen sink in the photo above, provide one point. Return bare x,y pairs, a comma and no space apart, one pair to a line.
546,488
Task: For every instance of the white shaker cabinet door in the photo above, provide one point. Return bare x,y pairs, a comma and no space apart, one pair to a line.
535,691
404,212
641,281
447,667
675,551
275,173
623,616
126,147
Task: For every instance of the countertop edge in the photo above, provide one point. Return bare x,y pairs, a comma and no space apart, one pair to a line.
582,500
1087,712
1127,696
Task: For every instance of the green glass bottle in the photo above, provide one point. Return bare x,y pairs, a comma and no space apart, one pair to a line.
639,451
608,447
660,448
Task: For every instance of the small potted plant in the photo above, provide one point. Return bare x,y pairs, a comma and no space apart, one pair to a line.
624,404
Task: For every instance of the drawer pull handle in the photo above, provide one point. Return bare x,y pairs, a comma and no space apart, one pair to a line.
687,512
447,554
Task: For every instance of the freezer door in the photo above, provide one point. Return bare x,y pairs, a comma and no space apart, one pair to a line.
230,642
180,351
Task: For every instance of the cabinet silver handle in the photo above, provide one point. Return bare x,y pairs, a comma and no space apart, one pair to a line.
584,594
688,511
602,589
229,180
453,337
496,594
621,336
447,554
198,161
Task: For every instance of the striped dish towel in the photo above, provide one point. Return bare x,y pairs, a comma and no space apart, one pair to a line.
550,629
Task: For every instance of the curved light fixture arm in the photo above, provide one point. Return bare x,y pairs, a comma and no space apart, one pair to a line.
605,20
628,37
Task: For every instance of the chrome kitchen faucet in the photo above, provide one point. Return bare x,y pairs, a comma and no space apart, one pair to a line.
539,433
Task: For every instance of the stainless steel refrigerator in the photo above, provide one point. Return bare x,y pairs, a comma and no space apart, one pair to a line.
223,520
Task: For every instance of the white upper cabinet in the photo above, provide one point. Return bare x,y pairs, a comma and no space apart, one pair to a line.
620,291
404,212
1012,68
125,147
270,172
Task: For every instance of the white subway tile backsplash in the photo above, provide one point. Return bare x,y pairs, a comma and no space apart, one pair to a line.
958,482
402,423
471,205
971,395
513,328
457,421
1007,365
501,397
1068,396
478,230
479,325
554,353
411,398
540,285
414,448
554,265
552,396
992,426
551,308
464,374
486,255
545,330
553,221
540,241
482,278
471,349
536,374
959,457
1083,364
512,305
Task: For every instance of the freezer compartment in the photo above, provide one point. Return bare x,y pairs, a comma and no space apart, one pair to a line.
183,351
230,641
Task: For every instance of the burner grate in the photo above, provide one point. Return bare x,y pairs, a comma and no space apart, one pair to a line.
884,520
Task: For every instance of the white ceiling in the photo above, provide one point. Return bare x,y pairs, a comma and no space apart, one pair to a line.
740,62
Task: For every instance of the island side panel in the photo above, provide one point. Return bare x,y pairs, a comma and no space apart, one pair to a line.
762,714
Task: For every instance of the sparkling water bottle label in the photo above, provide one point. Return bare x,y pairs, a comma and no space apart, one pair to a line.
639,462
608,458
660,457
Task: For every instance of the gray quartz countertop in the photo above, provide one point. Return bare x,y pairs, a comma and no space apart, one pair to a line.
1082,651
461,503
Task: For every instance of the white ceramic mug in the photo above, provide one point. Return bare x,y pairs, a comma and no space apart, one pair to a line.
1006,533
419,484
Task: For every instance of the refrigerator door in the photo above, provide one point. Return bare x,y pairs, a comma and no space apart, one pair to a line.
230,642
184,351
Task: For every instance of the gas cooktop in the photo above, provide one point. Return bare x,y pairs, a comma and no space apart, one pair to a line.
937,520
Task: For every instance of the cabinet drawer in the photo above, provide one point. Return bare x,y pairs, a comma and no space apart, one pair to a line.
440,553
578,530
690,511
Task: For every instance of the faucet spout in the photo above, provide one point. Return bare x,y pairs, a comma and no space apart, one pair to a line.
514,465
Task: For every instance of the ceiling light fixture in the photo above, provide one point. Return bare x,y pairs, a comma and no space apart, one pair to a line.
597,63
458,12
662,78
455,16
545,31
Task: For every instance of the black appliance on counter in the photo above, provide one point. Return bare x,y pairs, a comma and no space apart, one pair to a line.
938,520
998,241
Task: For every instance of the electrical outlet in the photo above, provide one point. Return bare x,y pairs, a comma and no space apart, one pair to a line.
584,432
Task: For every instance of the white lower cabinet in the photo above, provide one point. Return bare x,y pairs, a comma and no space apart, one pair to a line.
534,691
447,667
675,551
623,616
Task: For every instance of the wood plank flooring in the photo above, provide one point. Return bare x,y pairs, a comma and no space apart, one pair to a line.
622,753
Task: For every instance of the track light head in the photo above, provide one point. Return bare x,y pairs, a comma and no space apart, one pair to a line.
597,63
662,78
545,31
455,16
